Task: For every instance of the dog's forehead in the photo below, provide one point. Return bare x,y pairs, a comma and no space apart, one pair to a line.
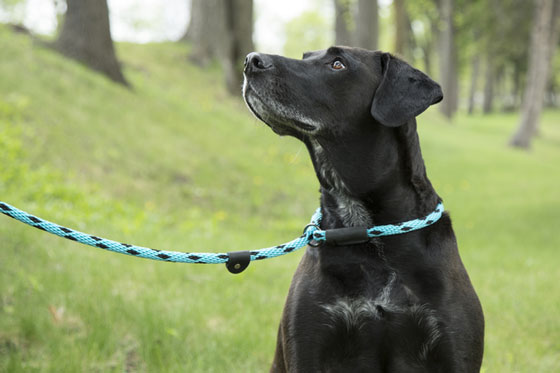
323,52
338,51
311,54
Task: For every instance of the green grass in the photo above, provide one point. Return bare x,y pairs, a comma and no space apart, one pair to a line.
177,164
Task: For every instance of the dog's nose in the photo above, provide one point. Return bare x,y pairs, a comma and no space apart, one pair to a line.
255,61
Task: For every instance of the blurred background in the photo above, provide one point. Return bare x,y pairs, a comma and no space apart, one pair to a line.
124,119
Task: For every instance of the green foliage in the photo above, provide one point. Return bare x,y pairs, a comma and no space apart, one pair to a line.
8,4
308,32
177,164
424,22
496,31
500,28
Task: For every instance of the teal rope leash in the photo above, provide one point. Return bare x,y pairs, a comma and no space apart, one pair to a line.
243,257
236,261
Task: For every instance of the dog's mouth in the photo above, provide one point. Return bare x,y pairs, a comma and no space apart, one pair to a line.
283,120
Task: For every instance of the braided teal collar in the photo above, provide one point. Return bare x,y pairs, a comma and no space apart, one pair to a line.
355,235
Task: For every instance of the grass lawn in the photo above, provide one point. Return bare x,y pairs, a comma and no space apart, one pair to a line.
177,164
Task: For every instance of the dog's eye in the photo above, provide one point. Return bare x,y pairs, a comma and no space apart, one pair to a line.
337,65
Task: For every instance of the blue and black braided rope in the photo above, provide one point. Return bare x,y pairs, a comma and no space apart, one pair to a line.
312,234
163,255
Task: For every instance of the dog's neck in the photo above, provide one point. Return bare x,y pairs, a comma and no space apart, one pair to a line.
375,178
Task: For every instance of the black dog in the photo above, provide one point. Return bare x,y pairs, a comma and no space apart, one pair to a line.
400,303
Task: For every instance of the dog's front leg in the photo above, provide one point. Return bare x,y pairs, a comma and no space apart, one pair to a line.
278,364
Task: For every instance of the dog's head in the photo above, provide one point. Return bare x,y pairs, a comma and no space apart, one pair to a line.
329,90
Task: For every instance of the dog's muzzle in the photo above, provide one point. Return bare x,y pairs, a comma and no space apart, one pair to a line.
255,62
263,95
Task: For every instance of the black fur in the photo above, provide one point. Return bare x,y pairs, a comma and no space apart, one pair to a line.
399,303
403,93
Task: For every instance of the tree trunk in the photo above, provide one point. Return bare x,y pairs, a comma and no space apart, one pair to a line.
427,57
516,86
401,28
552,97
554,36
367,24
428,48
488,100
539,63
474,77
222,29
206,30
195,20
342,22
239,41
448,60
86,37
499,84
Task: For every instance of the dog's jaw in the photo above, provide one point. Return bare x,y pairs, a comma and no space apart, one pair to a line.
281,118
351,211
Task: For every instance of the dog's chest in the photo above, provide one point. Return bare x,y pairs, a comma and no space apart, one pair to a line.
352,312
360,327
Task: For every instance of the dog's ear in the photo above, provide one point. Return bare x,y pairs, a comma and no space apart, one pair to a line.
404,92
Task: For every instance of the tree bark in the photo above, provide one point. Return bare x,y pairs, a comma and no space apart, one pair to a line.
428,47
554,37
516,84
342,20
474,78
239,41
86,37
206,30
367,25
489,79
401,28
222,29
427,57
448,60
539,63
195,20
499,86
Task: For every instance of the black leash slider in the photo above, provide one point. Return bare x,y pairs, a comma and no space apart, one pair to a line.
238,261
346,236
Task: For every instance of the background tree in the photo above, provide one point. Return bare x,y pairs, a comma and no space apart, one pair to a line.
488,100
239,41
475,69
402,29
309,31
551,98
424,14
367,24
205,31
342,22
448,59
223,30
540,56
489,41
86,37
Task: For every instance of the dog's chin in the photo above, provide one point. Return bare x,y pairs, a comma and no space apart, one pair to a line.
280,125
